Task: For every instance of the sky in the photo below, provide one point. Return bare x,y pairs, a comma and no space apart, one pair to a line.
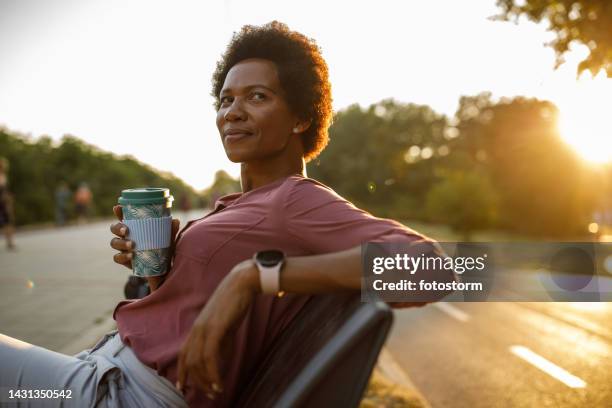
133,77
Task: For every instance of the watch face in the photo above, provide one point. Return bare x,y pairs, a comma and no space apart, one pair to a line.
270,258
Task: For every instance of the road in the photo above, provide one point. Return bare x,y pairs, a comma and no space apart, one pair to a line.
507,354
61,282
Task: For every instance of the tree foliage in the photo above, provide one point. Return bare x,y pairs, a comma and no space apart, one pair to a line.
37,167
544,188
495,164
587,22
368,158
223,184
464,200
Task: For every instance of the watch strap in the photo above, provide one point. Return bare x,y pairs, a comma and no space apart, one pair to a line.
269,278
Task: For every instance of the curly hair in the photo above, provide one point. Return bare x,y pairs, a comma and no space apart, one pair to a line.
302,73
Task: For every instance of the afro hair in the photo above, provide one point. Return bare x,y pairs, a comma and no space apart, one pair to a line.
302,73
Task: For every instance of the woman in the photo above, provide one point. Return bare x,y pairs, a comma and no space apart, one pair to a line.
207,323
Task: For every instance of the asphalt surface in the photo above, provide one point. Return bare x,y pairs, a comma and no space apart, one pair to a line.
61,282
465,354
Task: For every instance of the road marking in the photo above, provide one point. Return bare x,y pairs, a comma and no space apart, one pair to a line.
548,367
452,311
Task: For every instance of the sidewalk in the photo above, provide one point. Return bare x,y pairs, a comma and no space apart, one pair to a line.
58,284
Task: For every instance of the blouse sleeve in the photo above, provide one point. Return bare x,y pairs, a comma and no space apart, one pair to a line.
325,222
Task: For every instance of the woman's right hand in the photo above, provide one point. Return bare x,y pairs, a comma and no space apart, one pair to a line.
126,247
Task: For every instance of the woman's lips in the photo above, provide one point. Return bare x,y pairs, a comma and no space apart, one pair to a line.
234,137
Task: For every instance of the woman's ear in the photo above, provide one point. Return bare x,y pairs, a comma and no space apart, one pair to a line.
302,126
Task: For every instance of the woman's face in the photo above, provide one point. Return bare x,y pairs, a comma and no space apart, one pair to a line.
254,120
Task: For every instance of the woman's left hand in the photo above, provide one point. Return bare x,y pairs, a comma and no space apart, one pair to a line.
200,354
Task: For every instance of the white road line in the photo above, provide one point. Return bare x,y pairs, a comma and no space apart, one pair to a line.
452,311
549,368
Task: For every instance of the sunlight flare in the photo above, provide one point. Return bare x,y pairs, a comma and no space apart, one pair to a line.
585,121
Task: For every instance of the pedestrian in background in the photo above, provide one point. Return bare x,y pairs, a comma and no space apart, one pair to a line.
185,203
6,206
62,195
82,201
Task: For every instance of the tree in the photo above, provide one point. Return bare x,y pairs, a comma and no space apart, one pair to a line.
367,159
587,22
39,166
223,184
544,188
466,201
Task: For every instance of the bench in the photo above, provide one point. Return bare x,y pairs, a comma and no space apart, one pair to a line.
323,359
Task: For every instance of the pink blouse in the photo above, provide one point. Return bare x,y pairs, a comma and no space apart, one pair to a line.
297,215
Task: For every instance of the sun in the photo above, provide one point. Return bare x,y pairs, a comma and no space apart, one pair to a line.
585,120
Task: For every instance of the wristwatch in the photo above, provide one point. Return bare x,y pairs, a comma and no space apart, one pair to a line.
270,263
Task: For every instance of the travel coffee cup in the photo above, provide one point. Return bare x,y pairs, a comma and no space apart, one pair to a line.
146,213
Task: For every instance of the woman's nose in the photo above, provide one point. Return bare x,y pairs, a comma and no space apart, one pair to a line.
234,112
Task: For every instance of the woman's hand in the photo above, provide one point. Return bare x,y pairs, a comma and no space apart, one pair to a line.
200,354
126,247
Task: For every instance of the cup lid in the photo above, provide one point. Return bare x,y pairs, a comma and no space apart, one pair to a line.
145,195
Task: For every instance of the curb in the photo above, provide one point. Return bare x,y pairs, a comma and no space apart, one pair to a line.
393,372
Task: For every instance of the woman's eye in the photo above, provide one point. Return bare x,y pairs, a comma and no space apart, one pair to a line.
258,96
225,99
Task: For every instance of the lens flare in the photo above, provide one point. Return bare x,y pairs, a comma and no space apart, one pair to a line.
584,120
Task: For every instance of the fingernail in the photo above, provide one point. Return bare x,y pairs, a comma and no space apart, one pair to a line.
122,230
129,244
216,387
129,255
178,385
210,395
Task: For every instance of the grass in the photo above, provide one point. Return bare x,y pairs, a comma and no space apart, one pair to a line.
383,393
